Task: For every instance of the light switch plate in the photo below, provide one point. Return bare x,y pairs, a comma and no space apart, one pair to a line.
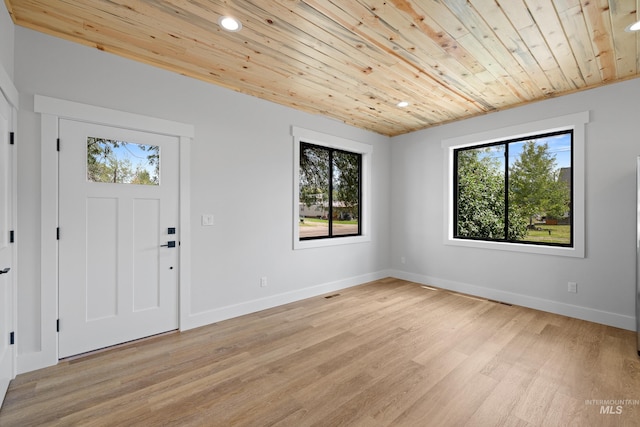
208,220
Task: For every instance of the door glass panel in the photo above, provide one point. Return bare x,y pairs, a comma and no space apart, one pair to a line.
122,162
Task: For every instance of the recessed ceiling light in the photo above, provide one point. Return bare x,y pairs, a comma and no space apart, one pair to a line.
633,27
229,23
402,104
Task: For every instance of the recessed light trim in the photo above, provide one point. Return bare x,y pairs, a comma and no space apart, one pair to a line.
633,27
229,23
402,104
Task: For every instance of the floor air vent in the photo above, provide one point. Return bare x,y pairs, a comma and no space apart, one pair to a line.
500,302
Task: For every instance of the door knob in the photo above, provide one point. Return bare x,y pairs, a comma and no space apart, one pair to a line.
170,244
5,271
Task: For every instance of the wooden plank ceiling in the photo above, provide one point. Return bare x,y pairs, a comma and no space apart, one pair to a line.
354,60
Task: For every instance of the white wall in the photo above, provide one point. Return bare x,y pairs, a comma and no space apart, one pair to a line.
605,277
7,31
241,162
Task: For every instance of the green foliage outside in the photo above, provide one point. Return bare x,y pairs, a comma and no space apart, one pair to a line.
534,188
346,181
316,169
534,191
314,177
481,207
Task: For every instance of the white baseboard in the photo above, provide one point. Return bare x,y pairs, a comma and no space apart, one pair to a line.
33,361
575,311
223,313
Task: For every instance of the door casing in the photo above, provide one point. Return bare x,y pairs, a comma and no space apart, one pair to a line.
9,282
51,110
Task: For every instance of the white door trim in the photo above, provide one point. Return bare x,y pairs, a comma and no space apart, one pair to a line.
8,89
10,93
11,280
51,111
108,117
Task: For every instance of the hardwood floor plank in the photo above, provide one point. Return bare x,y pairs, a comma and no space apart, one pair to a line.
498,406
564,408
358,410
387,353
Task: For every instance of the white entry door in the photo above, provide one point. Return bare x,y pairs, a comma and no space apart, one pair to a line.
118,215
6,252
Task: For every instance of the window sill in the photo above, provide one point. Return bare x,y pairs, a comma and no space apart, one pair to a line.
336,241
575,251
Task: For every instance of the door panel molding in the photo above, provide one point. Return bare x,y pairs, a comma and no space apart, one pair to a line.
51,111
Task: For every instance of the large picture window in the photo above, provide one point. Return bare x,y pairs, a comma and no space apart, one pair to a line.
517,191
506,188
329,192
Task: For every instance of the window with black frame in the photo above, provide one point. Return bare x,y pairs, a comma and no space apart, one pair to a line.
516,191
329,192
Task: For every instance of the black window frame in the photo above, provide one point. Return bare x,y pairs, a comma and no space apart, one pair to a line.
506,143
331,151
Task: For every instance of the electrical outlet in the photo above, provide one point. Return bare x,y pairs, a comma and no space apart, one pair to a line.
403,260
572,287
263,282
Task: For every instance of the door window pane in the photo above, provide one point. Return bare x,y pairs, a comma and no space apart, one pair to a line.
122,162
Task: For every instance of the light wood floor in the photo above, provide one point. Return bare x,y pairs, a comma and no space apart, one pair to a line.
388,353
